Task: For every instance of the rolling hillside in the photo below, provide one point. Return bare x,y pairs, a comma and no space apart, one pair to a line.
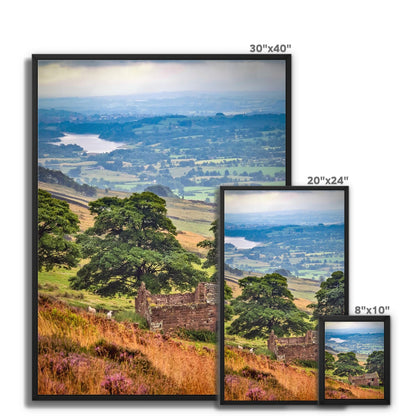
256,377
192,219
82,354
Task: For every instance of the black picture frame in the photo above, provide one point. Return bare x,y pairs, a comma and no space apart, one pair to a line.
36,60
223,189
354,401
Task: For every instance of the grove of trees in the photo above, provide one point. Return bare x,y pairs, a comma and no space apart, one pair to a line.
347,364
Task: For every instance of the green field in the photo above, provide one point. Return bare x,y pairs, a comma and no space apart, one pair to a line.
56,283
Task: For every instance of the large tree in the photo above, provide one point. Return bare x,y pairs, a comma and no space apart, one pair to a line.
330,297
212,260
347,365
329,361
266,303
375,362
212,255
56,223
133,241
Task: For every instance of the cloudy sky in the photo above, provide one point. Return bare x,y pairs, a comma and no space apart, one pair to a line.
87,78
236,202
360,327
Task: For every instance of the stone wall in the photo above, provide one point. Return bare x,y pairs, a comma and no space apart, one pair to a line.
196,310
369,379
290,349
191,316
290,353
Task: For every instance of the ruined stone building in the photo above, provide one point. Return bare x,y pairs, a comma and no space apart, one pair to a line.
195,310
368,379
290,349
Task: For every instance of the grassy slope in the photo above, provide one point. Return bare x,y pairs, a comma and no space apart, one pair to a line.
337,389
257,377
56,283
82,353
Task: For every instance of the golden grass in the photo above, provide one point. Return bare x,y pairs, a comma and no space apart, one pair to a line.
302,304
166,365
257,377
86,220
235,287
189,241
335,389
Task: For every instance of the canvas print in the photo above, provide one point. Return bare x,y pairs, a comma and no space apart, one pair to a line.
129,155
284,264
355,360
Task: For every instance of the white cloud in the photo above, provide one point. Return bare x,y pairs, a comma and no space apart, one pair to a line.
100,78
243,201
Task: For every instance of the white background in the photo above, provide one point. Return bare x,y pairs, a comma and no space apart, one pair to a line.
354,92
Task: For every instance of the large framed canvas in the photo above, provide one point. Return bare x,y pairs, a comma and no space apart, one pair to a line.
129,154
284,263
354,360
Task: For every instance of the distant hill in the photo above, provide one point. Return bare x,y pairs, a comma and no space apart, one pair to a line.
49,136
57,177
161,190
235,271
54,116
284,272
330,350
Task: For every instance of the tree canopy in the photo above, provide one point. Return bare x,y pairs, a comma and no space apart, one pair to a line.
375,363
212,255
330,297
329,361
56,222
133,241
347,365
266,303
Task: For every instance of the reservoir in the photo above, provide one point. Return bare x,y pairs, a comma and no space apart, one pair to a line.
91,143
241,242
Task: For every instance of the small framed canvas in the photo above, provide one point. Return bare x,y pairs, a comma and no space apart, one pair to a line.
354,360
284,263
129,152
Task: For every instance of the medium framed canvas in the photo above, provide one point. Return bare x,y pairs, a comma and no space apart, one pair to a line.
284,263
129,154
354,360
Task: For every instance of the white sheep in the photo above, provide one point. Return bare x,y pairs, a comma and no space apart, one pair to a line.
110,315
239,347
92,310
251,351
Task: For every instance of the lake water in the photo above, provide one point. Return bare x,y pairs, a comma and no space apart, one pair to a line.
91,143
241,242
338,340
